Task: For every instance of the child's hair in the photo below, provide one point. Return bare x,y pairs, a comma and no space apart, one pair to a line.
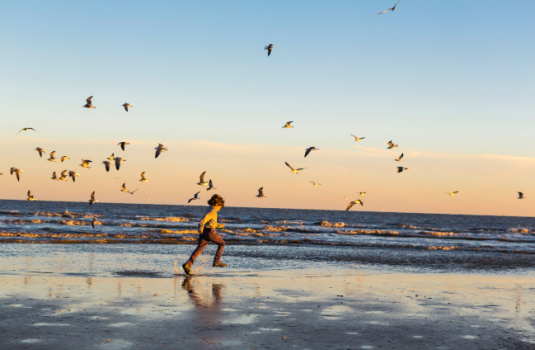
217,201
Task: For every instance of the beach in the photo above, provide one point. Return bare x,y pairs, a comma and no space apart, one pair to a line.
127,296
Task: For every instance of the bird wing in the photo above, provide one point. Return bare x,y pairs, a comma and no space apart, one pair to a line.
88,100
123,188
350,205
289,166
158,151
202,177
107,165
308,151
93,196
261,191
380,13
126,109
143,176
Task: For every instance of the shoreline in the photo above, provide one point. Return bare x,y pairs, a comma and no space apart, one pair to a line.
66,297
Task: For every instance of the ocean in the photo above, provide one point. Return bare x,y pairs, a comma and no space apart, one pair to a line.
70,222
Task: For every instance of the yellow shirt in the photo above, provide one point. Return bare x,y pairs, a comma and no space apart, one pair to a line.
210,220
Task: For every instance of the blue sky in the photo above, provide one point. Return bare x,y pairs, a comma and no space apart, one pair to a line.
450,77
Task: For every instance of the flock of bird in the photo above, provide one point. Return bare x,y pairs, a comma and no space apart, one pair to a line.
85,163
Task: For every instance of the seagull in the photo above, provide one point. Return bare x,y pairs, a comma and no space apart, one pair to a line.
520,195
288,125
85,163
390,9
118,161
269,48
123,189
63,158
106,164
93,199
73,175
126,105
358,138
211,186
123,144
63,176
391,145
17,172
400,158
52,158
195,197
143,178
41,151
400,169
310,149
453,193
261,193
30,196
315,184
88,103
112,157
362,193
202,182
26,129
93,222
295,171
54,176
159,150
352,203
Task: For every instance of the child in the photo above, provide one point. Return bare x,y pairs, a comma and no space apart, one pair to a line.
207,233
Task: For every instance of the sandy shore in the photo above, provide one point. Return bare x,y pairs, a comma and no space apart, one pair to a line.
56,300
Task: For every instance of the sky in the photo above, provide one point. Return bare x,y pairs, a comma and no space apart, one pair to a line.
452,83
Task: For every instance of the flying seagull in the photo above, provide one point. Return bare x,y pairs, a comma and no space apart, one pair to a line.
211,186
54,176
112,157
391,145
93,199
30,196
315,184
73,175
400,169
52,157
17,172
118,161
123,144
63,158
106,164
26,129
362,193
202,182
295,171
123,189
520,195
85,163
63,176
352,203
310,149
159,150
390,9
41,151
400,158
126,105
88,103
269,48
143,178
453,193
288,125
195,197
358,138
261,193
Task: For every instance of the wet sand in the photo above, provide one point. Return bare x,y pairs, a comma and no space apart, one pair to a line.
52,298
